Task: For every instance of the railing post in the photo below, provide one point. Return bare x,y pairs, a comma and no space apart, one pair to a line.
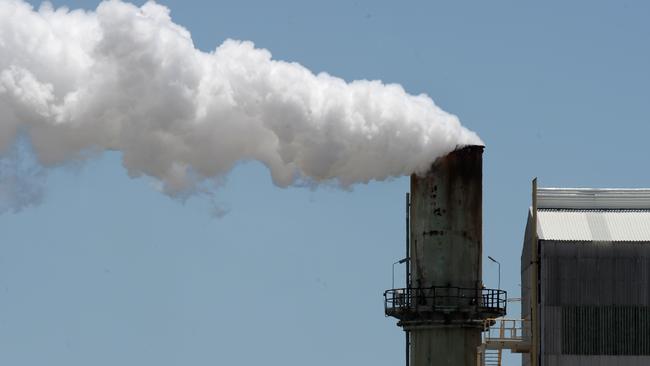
385,301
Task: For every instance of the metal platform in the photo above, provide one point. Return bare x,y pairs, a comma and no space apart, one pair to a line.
502,334
429,303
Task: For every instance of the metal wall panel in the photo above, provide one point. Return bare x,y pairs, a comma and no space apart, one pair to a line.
593,198
596,273
570,360
604,330
594,225
595,299
526,267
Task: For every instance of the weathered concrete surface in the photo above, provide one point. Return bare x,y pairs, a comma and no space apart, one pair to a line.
446,221
444,346
446,245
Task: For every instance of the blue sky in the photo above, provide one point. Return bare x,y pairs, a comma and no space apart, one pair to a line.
107,271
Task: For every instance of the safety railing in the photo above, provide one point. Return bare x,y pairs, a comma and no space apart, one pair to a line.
501,329
409,301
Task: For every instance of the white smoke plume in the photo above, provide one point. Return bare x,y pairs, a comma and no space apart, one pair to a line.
78,83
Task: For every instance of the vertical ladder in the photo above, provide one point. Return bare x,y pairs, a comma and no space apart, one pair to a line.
492,357
488,357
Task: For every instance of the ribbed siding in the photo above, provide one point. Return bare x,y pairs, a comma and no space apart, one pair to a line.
605,330
595,273
595,303
593,198
594,225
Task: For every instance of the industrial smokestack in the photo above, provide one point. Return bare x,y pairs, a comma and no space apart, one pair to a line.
126,78
446,221
444,304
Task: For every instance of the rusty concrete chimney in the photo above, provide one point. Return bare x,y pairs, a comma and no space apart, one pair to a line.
444,304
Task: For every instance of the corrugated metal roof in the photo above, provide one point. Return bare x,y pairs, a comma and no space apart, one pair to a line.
593,198
593,225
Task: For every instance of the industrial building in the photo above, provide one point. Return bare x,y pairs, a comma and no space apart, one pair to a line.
585,272
585,275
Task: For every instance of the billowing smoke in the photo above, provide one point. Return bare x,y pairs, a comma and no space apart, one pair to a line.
77,83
